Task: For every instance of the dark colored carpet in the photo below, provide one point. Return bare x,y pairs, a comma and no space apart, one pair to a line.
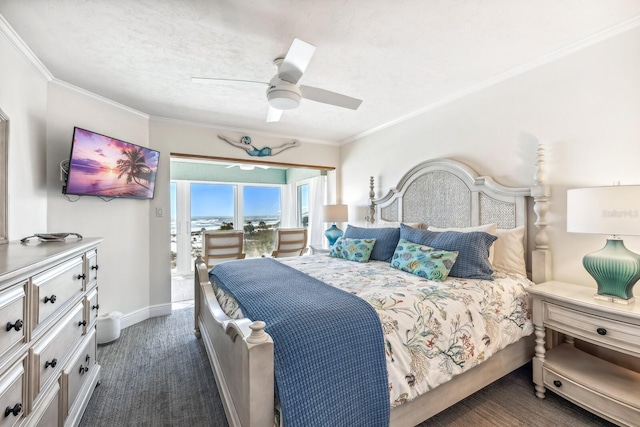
157,374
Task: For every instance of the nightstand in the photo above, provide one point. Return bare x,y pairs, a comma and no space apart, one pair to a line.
319,250
604,388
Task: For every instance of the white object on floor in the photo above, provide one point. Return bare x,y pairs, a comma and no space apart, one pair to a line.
108,328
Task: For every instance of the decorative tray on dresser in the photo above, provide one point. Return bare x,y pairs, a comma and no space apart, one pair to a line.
48,315
600,386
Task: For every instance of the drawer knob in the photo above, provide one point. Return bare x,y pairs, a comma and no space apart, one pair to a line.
52,298
83,369
601,331
94,267
82,323
95,307
17,326
17,408
81,276
53,363
87,358
557,383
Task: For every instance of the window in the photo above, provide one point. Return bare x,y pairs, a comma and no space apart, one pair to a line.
303,205
212,208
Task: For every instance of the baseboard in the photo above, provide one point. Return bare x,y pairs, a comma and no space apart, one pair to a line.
144,314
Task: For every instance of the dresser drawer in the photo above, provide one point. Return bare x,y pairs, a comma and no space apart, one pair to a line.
590,399
49,354
92,268
56,287
617,335
91,308
12,320
77,371
48,412
12,393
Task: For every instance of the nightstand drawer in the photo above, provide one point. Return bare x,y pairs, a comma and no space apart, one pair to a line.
587,398
617,335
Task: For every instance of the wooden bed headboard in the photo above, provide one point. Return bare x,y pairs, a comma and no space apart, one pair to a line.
447,193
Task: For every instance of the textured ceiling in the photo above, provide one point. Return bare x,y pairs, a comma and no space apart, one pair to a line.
397,56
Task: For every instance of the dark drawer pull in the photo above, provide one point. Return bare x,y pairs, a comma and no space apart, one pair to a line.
53,363
87,358
52,298
601,331
83,369
81,276
95,307
17,408
17,326
82,323
94,267
557,383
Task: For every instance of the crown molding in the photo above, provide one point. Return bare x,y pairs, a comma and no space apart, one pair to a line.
545,59
20,46
97,97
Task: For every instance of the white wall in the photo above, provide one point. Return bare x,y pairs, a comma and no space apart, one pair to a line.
123,256
23,97
584,108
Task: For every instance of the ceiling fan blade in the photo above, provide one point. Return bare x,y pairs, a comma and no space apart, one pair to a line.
296,61
211,80
273,115
328,97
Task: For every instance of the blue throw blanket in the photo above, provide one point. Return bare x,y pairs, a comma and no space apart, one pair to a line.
329,358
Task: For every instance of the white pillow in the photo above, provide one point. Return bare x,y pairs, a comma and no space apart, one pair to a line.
509,251
487,228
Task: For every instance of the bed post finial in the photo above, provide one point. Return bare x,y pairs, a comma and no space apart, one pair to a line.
371,215
541,256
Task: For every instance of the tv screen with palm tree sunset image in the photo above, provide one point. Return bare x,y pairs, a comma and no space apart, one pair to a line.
108,167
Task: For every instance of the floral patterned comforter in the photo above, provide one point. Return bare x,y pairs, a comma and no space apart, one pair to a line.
433,330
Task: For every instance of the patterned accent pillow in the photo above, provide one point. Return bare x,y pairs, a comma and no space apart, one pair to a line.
423,261
352,249
472,247
386,240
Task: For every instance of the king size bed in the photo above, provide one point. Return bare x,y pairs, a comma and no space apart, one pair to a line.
429,342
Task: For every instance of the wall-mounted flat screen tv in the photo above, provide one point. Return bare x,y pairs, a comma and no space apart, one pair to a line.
103,166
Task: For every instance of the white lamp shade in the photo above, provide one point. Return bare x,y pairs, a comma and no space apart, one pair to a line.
613,210
336,213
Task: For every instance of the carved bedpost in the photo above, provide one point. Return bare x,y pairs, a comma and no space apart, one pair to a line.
541,255
199,268
371,215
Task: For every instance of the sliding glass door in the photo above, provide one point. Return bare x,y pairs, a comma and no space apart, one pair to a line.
199,206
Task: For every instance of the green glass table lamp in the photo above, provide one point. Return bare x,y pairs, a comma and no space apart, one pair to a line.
615,211
335,213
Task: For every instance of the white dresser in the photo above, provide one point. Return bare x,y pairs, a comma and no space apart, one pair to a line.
48,315
600,386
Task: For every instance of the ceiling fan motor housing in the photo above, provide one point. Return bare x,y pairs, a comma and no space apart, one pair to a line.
283,95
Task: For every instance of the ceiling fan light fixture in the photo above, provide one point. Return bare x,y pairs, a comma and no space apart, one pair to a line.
283,99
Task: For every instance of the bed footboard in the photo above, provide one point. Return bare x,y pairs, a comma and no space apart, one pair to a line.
241,357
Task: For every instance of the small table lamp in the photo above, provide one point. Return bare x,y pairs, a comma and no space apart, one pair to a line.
335,213
614,211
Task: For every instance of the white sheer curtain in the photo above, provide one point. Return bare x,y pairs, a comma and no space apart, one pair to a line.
288,209
317,199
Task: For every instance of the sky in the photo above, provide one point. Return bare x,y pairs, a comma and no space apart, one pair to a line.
217,200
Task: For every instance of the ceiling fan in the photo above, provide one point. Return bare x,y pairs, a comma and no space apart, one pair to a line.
283,90
246,166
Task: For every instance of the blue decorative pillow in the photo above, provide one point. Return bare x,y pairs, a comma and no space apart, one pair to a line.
423,261
472,247
386,240
352,249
